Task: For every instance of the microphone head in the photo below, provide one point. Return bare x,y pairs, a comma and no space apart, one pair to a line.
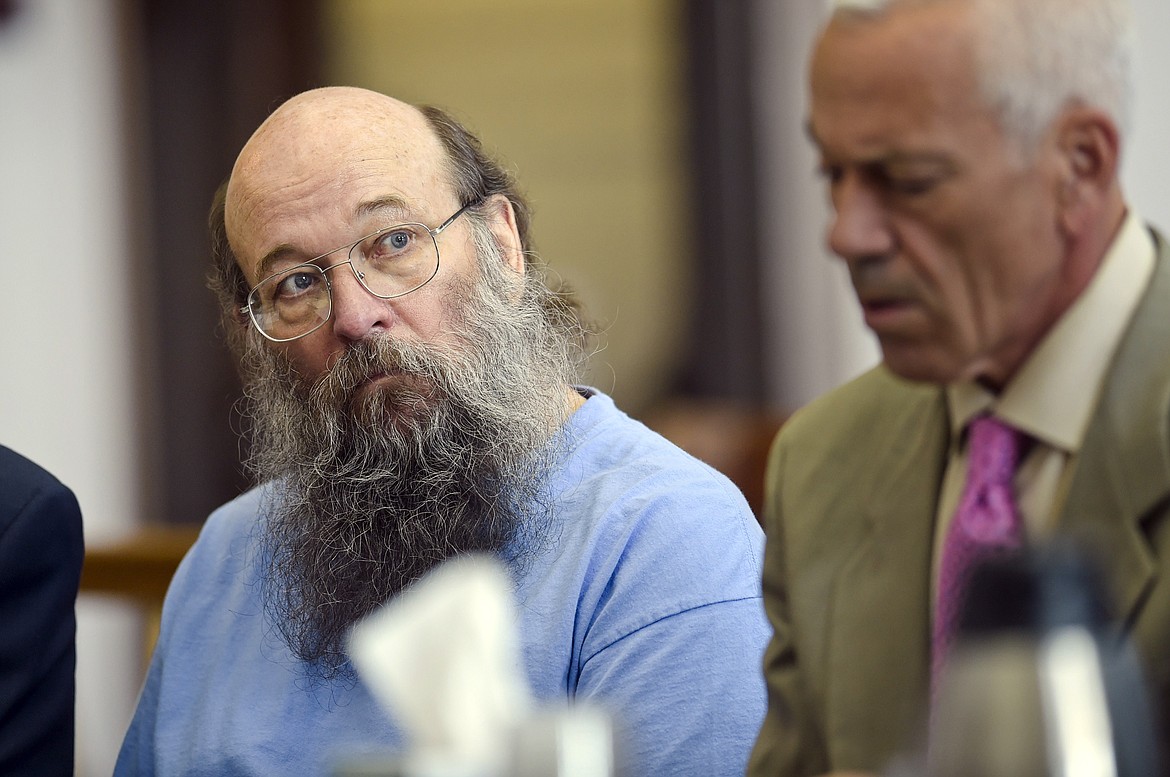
1035,592
1026,598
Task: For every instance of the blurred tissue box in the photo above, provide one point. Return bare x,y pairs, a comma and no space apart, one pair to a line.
444,657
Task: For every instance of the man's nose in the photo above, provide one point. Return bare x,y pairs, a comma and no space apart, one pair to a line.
356,312
860,226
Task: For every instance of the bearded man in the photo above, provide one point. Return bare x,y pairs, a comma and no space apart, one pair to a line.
412,399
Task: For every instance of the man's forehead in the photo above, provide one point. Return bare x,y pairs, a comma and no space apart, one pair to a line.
340,150
919,64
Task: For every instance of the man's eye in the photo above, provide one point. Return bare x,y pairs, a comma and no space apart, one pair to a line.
394,242
910,180
912,186
296,284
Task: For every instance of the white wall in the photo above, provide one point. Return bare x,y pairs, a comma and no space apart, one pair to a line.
66,371
1146,165
818,338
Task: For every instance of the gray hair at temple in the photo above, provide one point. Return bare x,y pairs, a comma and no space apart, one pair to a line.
473,174
1037,57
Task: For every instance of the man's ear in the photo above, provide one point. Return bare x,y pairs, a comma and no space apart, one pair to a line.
1089,148
239,316
501,219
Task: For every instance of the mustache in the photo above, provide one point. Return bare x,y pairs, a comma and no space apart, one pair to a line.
420,367
871,282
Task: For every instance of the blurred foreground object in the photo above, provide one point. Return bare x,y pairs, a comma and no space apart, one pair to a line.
1040,683
444,657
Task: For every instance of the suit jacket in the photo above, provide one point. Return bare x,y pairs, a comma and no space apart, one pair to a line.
41,550
852,490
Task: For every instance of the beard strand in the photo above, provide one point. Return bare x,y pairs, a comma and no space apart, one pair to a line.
373,486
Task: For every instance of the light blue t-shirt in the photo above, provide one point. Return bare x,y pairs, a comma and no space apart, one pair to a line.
647,602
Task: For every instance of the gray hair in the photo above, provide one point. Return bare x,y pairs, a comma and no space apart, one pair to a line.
1036,57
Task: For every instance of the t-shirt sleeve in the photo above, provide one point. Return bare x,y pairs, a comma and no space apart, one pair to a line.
687,690
675,645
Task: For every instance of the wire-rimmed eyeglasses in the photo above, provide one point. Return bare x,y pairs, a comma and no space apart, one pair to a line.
388,263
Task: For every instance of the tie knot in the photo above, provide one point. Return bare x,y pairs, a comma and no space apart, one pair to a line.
993,449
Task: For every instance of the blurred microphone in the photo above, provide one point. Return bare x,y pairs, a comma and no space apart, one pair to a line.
1040,682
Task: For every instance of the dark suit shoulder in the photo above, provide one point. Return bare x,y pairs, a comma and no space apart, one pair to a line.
20,478
23,481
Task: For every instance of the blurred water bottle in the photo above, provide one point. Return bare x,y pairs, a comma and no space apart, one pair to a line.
1039,683
573,741
555,741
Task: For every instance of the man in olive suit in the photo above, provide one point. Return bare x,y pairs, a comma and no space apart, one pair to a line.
971,149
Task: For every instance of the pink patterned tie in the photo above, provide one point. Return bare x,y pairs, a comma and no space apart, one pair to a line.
987,522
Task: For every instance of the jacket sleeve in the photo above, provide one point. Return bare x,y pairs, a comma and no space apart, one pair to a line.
41,551
789,742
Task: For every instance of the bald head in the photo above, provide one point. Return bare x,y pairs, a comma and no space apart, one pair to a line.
321,128
330,153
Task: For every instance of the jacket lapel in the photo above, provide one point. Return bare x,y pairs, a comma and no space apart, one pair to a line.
1123,471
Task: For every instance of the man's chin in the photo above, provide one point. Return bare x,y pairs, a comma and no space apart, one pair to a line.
394,398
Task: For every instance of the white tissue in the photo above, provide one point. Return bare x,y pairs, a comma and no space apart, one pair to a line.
443,658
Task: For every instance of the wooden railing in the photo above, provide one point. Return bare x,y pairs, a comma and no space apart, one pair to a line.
138,569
